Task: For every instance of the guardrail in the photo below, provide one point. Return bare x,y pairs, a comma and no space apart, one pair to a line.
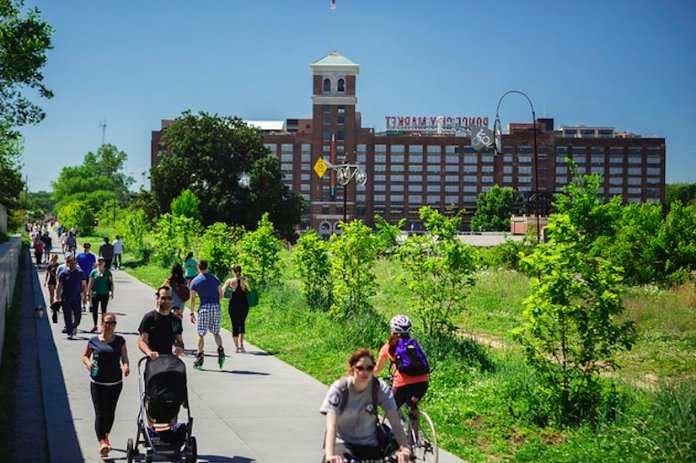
9,266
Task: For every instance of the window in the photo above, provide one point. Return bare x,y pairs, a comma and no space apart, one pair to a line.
474,169
397,178
597,159
341,85
272,147
415,178
563,170
432,188
634,191
327,85
360,198
451,159
286,167
597,170
380,148
654,159
434,178
616,171
486,158
286,148
634,181
451,169
524,159
469,159
654,171
361,148
433,159
635,171
452,188
507,179
396,168
432,199
452,178
615,191
415,188
287,178
469,179
615,181
397,198
616,159
306,148
415,199
488,179
304,187
635,160
380,168
397,148
486,169
434,149
653,181
561,150
415,149
341,109
452,199
432,168
415,168
380,178
341,119
327,119
450,149
397,158
304,167
524,170
470,189
524,179
286,158
379,198
616,150
380,187
304,177
380,158
415,158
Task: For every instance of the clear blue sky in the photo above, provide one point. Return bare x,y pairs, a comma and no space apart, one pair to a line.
624,64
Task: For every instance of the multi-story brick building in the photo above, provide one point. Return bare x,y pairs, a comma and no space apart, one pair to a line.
430,161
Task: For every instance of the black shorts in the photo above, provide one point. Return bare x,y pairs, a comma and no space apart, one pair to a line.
404,393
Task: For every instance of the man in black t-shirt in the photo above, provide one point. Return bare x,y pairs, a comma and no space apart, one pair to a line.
160,330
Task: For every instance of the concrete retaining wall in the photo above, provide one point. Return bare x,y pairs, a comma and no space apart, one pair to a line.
9,265
3,219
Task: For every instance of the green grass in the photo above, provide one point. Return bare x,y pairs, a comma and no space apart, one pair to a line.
482,400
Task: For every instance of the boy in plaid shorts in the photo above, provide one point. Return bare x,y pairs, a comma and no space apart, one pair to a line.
207,286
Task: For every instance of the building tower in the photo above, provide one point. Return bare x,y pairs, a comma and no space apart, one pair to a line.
333,117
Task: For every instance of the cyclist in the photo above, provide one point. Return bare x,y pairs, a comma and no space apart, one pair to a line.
349,406
405,387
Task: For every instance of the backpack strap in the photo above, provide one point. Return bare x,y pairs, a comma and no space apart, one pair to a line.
375,391
343,387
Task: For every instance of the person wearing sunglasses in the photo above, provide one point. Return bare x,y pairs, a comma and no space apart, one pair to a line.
106,359
351,417
161,330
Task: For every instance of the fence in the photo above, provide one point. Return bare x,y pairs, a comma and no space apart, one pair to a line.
9,265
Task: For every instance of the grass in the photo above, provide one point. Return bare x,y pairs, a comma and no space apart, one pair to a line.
483,400
8,369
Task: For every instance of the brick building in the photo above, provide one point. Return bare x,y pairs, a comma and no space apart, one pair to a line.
430,161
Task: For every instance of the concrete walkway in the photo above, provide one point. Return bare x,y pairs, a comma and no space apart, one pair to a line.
256,409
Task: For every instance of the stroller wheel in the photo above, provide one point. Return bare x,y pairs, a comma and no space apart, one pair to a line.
192,451
130,451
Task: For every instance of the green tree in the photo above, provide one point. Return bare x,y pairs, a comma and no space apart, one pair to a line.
11,183
684,192
133,228
207,154
41,200
219,247
311,259
387,235
493,210
440,270
260,252
353,255
164,240
570,332
78,214
24,40
187,204
677,242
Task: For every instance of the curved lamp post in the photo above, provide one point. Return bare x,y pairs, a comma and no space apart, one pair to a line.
498,142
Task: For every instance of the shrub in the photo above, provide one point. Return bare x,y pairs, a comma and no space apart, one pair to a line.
311,260
219,247
260,252
78,214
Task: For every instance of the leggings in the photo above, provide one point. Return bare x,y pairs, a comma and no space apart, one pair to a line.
238,316
96,300
104,399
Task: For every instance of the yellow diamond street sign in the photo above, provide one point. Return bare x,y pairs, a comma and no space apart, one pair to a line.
320,167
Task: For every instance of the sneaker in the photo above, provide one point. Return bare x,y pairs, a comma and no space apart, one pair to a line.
103,449
70,336
198,363
238,350
241,348
64,331
93,330
221,356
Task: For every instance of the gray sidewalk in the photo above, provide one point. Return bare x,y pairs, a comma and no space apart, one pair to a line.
256,409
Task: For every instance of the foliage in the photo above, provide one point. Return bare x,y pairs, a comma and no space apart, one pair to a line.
260,252
214,151
187,205
493,210
311,260
134,228
11,182
508,254
219,247
353,254
678,242
41,200
570,333
78,214
24,40
440,271
99,180
173,237
387,234
684,192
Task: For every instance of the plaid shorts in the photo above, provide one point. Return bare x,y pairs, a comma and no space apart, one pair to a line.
209,316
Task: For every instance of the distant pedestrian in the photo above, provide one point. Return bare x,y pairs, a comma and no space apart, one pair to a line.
51,278
180,290
190,267
87,262
106,250
38,250
73,290
239,306
207,286
100,287
106,359
118,251
71,243
48,246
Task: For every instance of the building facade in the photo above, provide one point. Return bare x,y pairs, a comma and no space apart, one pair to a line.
430,161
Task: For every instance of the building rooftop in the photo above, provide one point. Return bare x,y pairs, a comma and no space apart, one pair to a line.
267,126
335,61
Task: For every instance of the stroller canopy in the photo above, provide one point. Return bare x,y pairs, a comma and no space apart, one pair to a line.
165,379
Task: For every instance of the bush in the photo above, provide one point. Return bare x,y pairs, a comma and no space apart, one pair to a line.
78,214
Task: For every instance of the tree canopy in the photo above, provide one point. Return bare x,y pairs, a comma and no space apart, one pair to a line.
493,210
207,154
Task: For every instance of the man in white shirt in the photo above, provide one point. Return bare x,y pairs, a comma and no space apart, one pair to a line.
118,250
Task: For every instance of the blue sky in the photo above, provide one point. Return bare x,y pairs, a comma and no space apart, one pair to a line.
624,64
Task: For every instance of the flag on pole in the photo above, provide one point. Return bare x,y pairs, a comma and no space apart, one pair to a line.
333,4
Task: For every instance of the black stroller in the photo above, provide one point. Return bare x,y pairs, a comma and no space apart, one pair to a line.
162,394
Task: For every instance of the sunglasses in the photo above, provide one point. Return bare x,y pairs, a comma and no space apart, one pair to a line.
369,369
110,323
166,298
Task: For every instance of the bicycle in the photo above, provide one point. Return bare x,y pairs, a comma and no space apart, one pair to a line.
419,429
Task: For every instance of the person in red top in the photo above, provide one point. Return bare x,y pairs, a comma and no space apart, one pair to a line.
404,387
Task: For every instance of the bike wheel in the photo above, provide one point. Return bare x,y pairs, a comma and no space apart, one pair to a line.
425,446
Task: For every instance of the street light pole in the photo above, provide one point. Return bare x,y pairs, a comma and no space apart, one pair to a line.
498,139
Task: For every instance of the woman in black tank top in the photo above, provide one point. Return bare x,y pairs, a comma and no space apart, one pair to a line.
238,307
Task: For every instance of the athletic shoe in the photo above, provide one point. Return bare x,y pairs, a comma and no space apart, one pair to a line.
241,348
64,331
103,449
221,356
70,336
198,363
93,330
238,350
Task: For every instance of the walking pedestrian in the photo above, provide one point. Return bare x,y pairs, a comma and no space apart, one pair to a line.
160,330
118,251
72,290
71,243
106,359
238,307
48,246
106,250
180,290
207,287
87,261
190,265
51,278
38,250
100,287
